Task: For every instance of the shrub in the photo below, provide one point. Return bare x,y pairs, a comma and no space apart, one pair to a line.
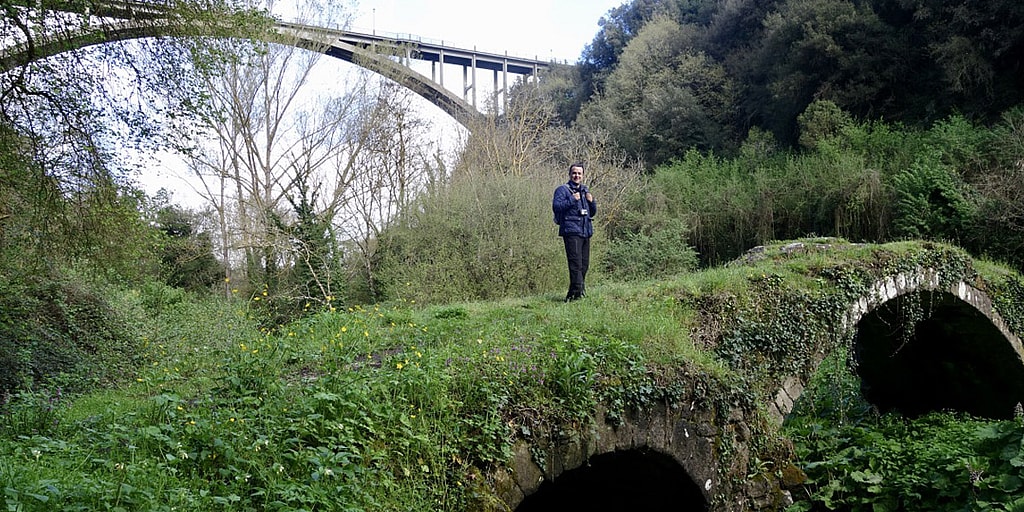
651,248
57,330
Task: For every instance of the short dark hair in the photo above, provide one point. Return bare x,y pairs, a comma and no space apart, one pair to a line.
577,164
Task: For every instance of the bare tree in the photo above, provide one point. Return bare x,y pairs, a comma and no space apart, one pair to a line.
269,138
395,160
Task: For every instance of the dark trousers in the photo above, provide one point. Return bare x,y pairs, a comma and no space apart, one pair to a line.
577,253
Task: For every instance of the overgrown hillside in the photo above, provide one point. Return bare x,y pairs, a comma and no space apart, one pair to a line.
399,407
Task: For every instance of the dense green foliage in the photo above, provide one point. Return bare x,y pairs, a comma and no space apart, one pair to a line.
856,459
865,181
386,407
664,74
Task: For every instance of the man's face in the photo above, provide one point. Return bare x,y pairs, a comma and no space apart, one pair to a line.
576,175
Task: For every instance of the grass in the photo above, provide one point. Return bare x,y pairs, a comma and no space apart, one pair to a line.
381,407
368,407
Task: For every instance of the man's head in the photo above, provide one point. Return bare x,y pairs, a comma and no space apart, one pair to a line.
576,173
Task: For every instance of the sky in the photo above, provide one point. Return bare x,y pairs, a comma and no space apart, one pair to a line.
544,29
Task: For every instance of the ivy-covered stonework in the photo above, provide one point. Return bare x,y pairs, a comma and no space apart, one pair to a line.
769,319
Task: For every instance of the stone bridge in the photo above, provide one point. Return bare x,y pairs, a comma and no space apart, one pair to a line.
923,326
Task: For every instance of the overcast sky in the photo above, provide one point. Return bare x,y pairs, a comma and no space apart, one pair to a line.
545,29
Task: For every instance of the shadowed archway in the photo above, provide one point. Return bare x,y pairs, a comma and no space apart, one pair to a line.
922,345
954,358
623,480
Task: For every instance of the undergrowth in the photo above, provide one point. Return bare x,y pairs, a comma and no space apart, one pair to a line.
394,407
856,459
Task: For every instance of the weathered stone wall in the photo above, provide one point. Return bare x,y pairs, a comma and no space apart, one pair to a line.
714,453
880,293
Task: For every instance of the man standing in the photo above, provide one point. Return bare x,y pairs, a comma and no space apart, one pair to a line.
574,206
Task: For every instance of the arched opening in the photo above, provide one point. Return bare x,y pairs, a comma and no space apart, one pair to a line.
952,359
627,480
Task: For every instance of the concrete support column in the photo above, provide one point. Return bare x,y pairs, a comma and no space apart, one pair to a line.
504,78
474,78
440,60
495,91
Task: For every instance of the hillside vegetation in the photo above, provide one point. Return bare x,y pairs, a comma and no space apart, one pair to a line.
399,407
359,321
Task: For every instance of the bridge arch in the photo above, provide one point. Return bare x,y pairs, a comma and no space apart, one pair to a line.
921,346
308,38
681,456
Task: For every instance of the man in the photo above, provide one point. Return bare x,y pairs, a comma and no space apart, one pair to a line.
574,207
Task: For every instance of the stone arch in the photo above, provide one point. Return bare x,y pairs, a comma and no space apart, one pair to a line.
637,479
680,445
961,355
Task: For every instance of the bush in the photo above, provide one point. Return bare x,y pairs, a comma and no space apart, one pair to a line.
651,248
474,240
59,331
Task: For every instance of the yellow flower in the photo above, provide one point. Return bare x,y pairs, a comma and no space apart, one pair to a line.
399,366
344,328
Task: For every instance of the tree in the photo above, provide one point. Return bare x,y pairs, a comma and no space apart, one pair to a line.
186,251
663,97
66,107
271,145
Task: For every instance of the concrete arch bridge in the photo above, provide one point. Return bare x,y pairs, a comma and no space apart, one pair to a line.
926,327
390,55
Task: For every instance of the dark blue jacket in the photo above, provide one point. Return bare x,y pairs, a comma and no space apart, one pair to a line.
568,211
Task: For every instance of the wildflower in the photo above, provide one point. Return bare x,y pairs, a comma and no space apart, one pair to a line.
37,454
344,328
399,366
